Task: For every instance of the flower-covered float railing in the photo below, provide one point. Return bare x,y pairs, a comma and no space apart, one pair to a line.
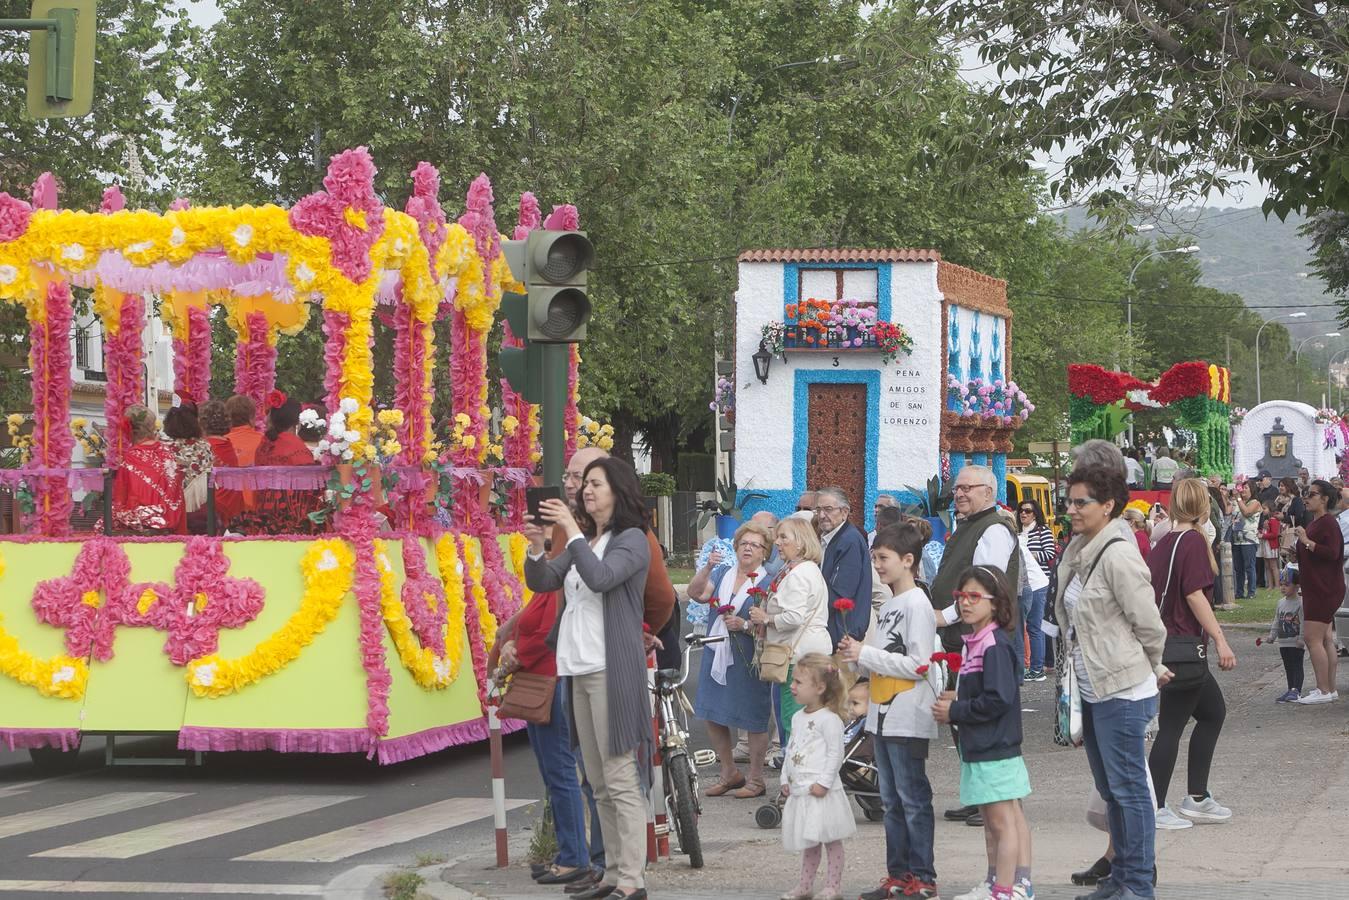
1200,394
358,639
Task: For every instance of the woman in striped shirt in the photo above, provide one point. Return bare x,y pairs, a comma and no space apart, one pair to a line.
1038,541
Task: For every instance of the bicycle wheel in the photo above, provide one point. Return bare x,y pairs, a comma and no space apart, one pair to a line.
683,808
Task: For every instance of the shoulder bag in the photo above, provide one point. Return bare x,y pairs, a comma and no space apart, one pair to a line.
529,697
1185,655
1068,723
774,660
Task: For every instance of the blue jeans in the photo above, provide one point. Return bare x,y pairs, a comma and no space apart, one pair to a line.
1032,614
557,764
907,796
1112,732
1243,571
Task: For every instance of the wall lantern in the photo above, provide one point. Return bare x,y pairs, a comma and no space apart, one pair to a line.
762,360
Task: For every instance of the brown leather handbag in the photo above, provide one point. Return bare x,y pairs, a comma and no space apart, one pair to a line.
529,697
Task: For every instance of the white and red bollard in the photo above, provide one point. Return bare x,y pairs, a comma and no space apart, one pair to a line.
657,826
498,785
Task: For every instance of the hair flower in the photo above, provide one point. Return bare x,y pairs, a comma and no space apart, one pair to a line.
276,399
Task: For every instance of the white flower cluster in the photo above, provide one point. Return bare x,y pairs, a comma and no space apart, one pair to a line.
340,438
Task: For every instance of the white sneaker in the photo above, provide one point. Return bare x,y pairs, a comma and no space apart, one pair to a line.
1314,696
1169,821
1206,810
981,892
1022,891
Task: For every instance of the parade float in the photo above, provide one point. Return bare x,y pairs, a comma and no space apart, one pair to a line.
1198,393
358,639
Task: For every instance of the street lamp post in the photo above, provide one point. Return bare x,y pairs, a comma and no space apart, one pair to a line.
1330,378
1297,359
1129,307
1296,315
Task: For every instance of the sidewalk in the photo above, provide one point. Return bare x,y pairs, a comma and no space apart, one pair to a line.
1284,771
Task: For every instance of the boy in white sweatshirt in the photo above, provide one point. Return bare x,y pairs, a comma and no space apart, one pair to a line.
896,658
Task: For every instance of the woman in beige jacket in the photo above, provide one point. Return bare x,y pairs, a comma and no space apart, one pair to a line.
797,609
1114,640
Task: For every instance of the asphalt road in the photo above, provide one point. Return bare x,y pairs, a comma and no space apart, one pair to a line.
264,823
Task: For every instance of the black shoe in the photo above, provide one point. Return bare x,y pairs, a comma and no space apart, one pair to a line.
976,820
538,870
639,894
1154,876
1106,890
574,875
599,891
1093,875
960,814
591,880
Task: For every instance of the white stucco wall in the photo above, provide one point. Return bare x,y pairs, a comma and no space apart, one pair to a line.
769,419
1299,419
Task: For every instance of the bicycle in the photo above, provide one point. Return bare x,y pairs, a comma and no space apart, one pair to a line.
683,802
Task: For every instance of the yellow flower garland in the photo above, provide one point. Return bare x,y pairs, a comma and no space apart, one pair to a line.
519,549
328,567
447,560
61,676
428,670
473,556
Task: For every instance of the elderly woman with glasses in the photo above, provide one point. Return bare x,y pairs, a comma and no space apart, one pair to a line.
1037,543
730,695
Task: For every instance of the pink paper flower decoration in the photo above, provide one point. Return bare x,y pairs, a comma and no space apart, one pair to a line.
349,188
530,216
113,200
563,218
14,218
44,191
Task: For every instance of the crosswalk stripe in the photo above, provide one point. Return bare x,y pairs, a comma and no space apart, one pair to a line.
183,889
78,811
23,787
195,828
376,833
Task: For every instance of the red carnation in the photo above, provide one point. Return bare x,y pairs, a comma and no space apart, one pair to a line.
953,661
725,609
921,670
843,605
937,657
276,399
753,576
757,592
646,629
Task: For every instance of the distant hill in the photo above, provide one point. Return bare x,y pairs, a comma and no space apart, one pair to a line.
1243,252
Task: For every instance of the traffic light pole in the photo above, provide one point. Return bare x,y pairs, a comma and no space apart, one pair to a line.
556,361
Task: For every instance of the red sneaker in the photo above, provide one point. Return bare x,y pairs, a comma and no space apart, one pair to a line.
921,890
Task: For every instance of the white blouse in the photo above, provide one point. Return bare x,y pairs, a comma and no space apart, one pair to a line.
580,633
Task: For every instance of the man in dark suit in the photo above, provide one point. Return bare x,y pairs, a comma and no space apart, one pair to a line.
847,564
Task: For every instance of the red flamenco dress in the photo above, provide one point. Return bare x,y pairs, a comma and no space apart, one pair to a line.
281,510
147,494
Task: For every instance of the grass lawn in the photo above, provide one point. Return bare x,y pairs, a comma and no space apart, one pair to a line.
684,576
1258,611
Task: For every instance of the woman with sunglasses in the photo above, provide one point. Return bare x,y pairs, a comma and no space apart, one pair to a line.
1320,556
1037,542
730,694
1114,640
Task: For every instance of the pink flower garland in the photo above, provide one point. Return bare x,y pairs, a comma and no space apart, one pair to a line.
113,200
356,525
476,647
126,376
335,325
428,621
192,358
255,364
49,358
347,212
44,191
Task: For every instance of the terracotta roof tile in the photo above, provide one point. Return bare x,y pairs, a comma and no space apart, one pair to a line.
829,255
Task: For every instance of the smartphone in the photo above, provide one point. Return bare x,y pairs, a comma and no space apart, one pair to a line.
534,496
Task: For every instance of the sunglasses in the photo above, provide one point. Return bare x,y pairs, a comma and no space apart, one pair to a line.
1081,502
970,596
1028,510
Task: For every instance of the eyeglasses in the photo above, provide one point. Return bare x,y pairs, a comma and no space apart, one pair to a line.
1080,502
828,510
752,545
571,476
966,488
970,596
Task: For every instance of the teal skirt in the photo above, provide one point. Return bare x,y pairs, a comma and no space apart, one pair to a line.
993,781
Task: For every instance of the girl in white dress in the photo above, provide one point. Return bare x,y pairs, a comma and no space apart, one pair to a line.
817,812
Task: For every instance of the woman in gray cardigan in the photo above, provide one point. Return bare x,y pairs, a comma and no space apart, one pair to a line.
598,637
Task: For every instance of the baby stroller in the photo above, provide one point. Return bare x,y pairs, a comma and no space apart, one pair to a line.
857,774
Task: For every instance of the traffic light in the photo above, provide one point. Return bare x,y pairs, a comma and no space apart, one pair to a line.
552,266
60,56
552,313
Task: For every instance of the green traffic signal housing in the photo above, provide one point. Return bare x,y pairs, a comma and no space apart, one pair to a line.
552,266
60,56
